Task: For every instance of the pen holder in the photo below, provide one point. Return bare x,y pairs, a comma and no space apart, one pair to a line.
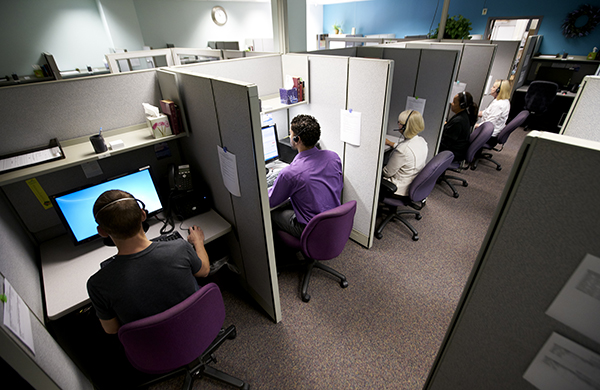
98,143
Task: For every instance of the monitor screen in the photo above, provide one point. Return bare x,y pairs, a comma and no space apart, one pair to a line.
270,143
75,207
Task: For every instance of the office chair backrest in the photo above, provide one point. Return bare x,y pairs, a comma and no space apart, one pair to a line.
539,96
512,126
423,183
480,136
175,337
326,234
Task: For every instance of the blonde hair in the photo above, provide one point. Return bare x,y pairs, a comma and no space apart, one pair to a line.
415,124
504,89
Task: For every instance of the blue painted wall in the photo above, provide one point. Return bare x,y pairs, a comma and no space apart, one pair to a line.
415,17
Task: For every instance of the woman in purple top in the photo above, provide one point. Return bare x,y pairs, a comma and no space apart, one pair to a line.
312,182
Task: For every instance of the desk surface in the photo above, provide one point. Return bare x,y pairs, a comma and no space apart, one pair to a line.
66,268
559,93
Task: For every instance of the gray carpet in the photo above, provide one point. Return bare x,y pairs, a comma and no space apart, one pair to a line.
385,329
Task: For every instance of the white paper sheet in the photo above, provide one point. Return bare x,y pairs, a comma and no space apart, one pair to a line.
30,158
350,126
417,104
488,85
562,364
16,316
457,88
229,171
578,303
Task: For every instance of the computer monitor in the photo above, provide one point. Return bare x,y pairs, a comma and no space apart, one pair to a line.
270,143
560,76
75,207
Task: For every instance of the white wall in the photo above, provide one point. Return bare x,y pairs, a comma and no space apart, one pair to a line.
71,30
189,23
121,24
314,25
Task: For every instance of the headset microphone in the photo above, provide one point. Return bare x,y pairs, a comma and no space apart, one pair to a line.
402,127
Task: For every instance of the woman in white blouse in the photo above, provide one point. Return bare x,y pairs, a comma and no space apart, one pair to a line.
409,155
497,111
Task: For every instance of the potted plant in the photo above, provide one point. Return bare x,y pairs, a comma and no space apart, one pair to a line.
457,27
337,28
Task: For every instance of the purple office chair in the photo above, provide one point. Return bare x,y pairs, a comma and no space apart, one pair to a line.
477,139
182,338
418,191
500,140
323,238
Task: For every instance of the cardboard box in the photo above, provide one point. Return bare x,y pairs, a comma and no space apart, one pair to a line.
288,96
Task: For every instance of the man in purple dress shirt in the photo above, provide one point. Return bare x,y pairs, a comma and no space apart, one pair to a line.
312,182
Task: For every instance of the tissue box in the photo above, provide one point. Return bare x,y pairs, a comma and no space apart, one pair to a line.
288,96
159,125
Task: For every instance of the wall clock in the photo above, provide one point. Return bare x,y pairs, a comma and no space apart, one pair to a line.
219,16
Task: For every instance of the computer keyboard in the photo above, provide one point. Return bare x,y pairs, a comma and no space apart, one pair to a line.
271,178
168,237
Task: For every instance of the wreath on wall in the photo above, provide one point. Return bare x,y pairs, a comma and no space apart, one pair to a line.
570,29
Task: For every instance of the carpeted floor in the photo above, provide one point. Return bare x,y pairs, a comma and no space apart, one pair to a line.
385,329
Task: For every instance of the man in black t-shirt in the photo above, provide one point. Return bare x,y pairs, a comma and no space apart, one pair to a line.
146,277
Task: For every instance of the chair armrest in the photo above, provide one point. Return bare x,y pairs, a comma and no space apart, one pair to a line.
387,187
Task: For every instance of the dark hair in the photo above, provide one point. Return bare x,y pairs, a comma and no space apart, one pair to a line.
307,128
471,107
120,219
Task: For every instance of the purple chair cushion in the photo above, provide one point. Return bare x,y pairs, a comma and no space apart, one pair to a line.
508,129
423,183
482,135
177,336
326,234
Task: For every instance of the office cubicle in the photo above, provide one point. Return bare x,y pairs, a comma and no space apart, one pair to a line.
534,244
584,116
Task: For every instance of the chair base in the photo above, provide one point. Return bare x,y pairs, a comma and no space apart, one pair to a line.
444,178
488,157
317,264
200,367
398,215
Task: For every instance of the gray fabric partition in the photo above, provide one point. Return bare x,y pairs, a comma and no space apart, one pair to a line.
502,65
584,116
224,113
475,66
534,244
437,70
368,93
35,113
50,366
264,71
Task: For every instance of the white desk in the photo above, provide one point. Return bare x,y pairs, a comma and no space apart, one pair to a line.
66,268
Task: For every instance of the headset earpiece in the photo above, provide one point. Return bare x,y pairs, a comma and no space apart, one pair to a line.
296,138
402,127
499,87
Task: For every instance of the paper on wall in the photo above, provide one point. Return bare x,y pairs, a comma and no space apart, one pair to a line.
562,364
578,303
350,127
416,104
229,171
16,316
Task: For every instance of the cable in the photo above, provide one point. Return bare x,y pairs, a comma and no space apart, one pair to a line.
434,14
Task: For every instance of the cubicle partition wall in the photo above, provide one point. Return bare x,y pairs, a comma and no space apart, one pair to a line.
421,73
225,114
584,116
534,245
502,66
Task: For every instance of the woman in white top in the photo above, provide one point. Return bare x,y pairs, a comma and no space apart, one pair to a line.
409,155
497,111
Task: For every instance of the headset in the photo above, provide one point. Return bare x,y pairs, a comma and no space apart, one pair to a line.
297,136
499,87
142,206
403,127
463,102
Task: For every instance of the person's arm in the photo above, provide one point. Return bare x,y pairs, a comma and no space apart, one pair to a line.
110,326
397,160
196,238
389,143
281,190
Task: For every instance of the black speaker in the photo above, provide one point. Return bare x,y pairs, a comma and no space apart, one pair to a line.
187,204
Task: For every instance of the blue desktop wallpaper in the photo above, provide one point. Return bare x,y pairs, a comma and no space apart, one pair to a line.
77,206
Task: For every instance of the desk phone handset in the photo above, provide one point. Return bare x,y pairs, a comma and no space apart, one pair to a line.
180,178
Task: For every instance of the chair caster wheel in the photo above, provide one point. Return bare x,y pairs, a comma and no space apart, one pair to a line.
416,237
473,167
418,217
232,335
499,168
305,297
344,283
378,236
455,195
465,184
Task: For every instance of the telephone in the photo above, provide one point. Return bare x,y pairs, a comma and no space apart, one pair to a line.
180,178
